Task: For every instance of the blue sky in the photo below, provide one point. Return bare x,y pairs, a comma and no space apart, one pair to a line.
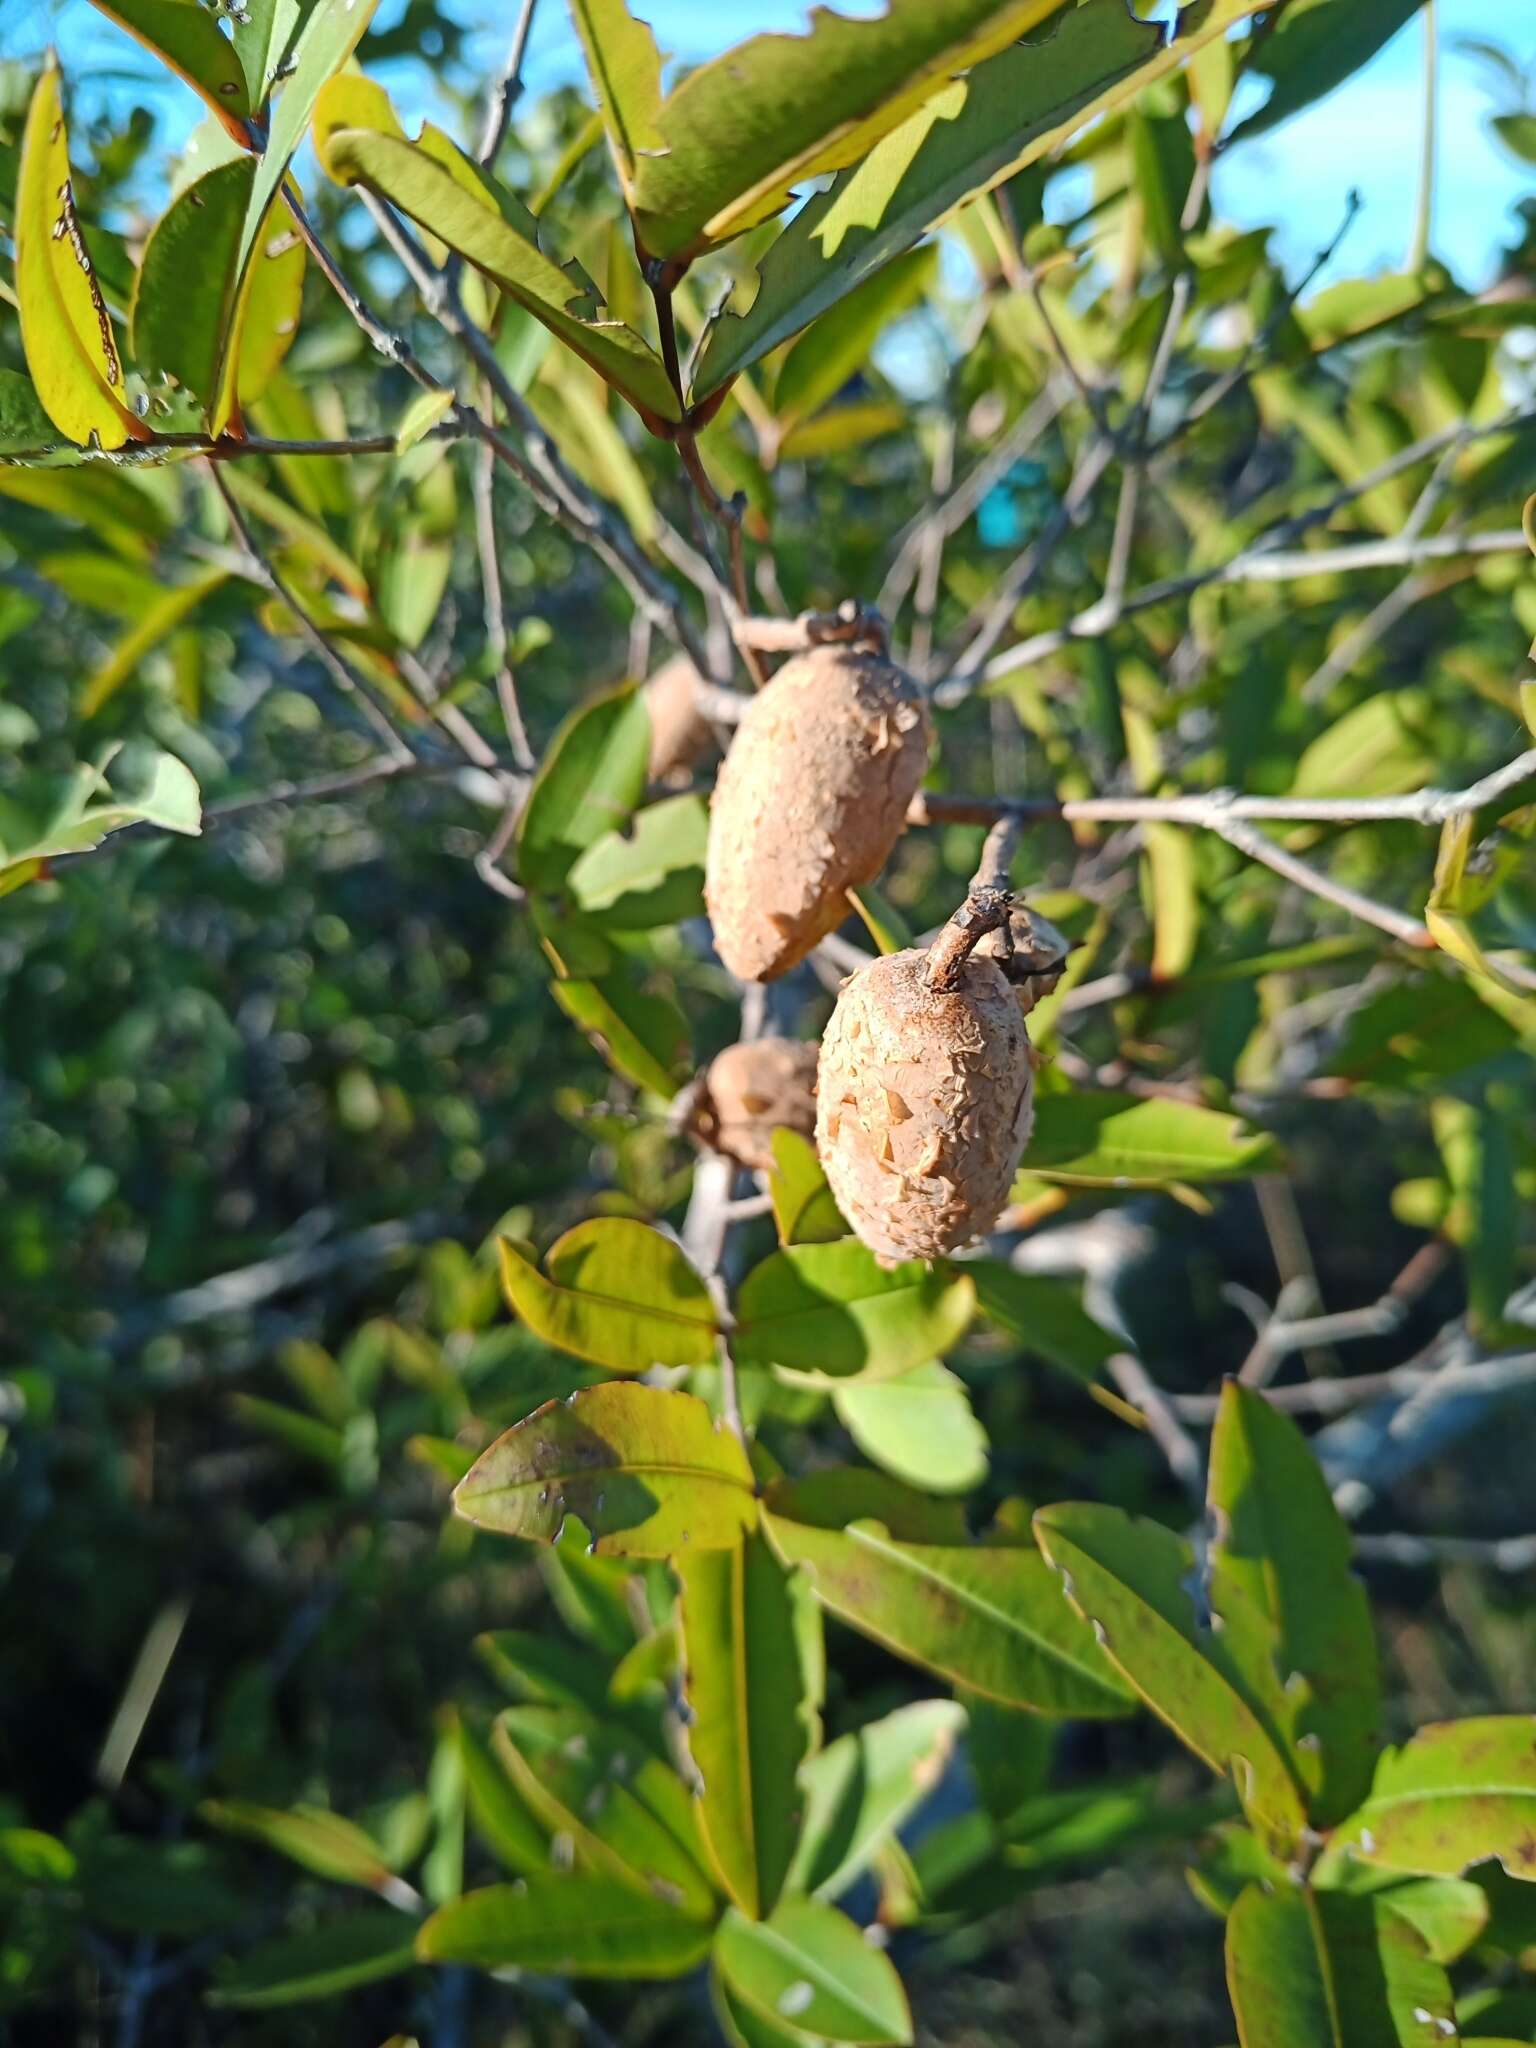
1365,134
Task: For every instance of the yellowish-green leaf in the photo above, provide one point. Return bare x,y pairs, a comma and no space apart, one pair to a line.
1313,1969
66,330
831,1312
157,623
318,1840
570,1924
811,1965
803,1206
625,68
187,38
648,1472
862,1788
1174,886
920,1428
1092,1139
617,1292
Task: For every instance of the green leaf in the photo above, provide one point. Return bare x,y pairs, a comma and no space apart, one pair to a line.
1131,1578
545,1669
1314,49
832,1312
621,1811
641,1035
1095,1139
617,1292
752,1676
148,787
1009,111
625,68
649,875
592,777
66,330
423,413
569,1925
739,133
187,38
865,1786
920,1428
25,428
1449,1913
987,1616
157,622
1380,748
804,1210
885,926
822,360
500,1815
1326,1970
808,1964
1280,1541
745,2027
187,297
1517,132
1044,1315
449,195
1173,891
364,1948
261,35
1455,1794
648,1472
1477,1153
319,1841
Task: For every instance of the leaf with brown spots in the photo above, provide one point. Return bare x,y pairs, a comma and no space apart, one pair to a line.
1458,1793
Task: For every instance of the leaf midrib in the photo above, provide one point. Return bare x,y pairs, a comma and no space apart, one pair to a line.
710,1473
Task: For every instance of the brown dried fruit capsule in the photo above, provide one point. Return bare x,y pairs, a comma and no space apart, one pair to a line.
925,1102
811,798
680,733
1035,957
752,1090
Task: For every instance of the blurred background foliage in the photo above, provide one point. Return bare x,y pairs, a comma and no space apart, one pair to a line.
267,1095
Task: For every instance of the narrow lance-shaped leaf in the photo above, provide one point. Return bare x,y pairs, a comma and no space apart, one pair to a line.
1009,111
752,1677
362,1948
862,1788
187,38
648,1472
617,1292
1100,1139
1279,1540
1328,1970
1131,1578
66,330
625,68
988,1616
739,132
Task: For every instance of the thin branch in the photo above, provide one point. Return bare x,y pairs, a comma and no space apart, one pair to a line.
1497,1553
1411,930
336,665
505,92
1281,1336
495,607
1335,1396
1161,1414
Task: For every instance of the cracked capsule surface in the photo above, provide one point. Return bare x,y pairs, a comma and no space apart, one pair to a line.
924,1103
810,799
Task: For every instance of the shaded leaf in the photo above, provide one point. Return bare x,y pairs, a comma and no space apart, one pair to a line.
319,1963
1315,49
987,1616
831,1312
648,1472
617,1292
1380,748
752,1676
625,68
592,777
576,1925
1280,1541
822,360
146,787
1045,1315
804,1209
498,1812
188,40
319,1841
172,608
1326,1970
808,1964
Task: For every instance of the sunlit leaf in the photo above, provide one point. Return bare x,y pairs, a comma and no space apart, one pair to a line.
591,779
919,1427
803,1206
865,1786
647,1471
810,1965
1094,1139
575,1924
1455,1794
832,1312
752,1677
187,38
649,875
617,1292
1326,1970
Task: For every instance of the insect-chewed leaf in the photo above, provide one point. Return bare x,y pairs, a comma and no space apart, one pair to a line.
617,1292
1005,114
832,1313
1281,1542
740,132
752,1675
865,1786
576,1924
1132,1579
808,1963
652,874
1455,1794
1311,1969
66,330
188,40
987,1616
451,197
648,1472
